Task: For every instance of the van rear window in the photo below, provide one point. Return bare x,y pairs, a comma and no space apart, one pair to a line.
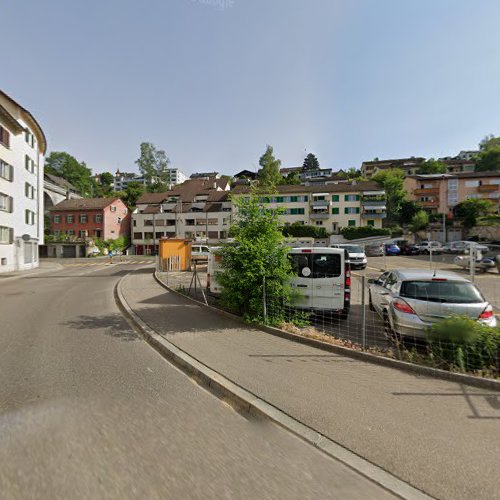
328,265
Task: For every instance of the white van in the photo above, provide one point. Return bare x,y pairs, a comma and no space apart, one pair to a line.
323,278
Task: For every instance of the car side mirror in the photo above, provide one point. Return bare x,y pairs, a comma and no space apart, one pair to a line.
371,281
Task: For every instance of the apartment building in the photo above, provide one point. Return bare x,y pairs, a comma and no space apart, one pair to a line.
198,209
22,149
90,218
123,179
331,206
408,165
439,193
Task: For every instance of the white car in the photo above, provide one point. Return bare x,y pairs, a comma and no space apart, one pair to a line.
463,247
357,256
429,247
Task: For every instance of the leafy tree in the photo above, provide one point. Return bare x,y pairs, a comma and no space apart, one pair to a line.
259,256
489,156
489,142
471,209
269,175
408,210
157,187
310,162
107,179
432,166
77,173
391,180
133,192
293,178
419,221
153,164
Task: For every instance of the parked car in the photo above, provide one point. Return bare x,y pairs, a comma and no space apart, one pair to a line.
411,300
463,247
357,256
406,247
428,247
482,264
375,250
392,249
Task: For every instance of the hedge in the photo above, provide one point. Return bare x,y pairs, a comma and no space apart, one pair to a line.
302,231
354,233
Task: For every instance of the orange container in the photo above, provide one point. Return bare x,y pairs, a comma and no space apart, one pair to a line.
175,254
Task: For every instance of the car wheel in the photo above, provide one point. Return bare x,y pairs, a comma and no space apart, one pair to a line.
370,303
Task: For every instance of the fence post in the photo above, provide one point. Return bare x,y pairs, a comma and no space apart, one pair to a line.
264,298
363,312
472,262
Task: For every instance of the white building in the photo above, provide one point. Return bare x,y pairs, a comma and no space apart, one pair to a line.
198,209
123,179
22,149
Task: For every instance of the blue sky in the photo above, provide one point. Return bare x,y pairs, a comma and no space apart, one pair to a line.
213,81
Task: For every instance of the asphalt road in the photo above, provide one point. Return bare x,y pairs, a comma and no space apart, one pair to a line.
89,410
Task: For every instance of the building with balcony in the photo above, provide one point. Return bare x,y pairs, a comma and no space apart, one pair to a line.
81,220
22,151
408,165
439,193
198,209
331,206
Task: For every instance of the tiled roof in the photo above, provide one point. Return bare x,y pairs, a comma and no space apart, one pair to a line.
460,175
84,204
59,181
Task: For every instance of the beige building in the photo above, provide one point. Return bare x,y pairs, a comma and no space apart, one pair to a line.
331,206
439,193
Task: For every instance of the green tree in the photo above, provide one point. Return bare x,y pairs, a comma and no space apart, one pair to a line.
293,178
432,166
269,175
419,221
153,164
391,180
489,142
310,162
259,256
77,173
471,209
408,210
133,192
489,156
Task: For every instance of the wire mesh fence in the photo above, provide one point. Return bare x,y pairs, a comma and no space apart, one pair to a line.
368,327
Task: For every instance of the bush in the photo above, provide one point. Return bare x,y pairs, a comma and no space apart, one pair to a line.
354,233
302,231
460,342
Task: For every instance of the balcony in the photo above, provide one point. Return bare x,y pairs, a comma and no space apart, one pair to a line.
319,215
320,203
487,188
429,204
426,191
374,202
377,215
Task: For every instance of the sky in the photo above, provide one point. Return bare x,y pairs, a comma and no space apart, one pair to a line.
212,82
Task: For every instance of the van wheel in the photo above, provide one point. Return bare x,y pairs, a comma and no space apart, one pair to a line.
370,303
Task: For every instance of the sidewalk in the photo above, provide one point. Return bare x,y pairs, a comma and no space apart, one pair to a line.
438,436
44,267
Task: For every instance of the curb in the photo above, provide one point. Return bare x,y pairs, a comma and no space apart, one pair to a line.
427,371
245,401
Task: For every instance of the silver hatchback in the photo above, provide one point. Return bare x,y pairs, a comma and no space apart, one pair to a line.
411,300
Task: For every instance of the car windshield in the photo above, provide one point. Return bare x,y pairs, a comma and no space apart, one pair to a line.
457,292
353,248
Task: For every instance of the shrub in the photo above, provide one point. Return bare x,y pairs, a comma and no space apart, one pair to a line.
354,233
460,342
302,231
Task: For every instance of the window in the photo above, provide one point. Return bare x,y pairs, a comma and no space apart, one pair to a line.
351,210
4,137
137,236
70,232
471,184
29,138
113,208
6,171
70,219
29,217
57,219
294,211
6,235
370,222
441,291
335,197
119,220
29,164
82,234
98,218
496,182
351,223
29,190
320,265
319,222
335,211
6,203
351,197
83,218
57,233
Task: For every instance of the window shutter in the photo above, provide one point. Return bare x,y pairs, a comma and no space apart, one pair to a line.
11,235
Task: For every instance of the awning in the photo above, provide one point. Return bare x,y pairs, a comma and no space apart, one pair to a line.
321,194
319,207
370,207
373,193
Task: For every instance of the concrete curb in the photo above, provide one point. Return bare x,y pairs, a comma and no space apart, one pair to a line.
427,371
245,401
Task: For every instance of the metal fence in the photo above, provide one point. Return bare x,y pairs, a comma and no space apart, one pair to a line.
366,329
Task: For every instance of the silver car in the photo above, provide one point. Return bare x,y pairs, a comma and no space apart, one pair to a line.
463,247
411,300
